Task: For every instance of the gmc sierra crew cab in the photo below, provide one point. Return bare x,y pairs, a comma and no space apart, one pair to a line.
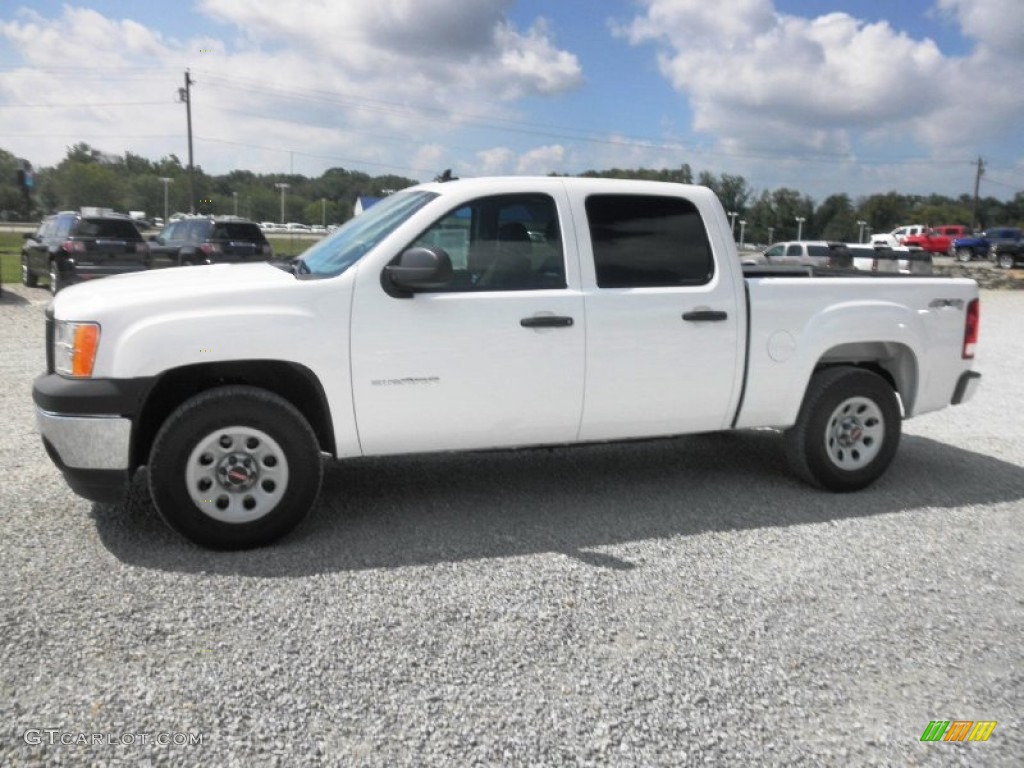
481,314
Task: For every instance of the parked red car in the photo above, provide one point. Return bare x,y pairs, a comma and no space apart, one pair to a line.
938,239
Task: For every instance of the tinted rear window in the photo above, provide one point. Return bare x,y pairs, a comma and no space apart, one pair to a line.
817,250
236,230
648,241
116,229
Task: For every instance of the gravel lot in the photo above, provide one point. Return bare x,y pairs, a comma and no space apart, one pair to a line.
655,604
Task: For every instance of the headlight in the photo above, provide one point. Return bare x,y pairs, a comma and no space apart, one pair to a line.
74,348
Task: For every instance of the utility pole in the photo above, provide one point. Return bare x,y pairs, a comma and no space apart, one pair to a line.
185,94
977,186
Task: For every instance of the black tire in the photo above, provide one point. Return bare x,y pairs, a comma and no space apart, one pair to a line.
57,282
964,255
1005,260
235,467
848,429
28,278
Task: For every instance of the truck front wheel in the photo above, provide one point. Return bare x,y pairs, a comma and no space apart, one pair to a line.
234,468
964,254
847,432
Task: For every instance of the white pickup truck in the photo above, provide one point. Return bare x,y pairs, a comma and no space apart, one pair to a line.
479,314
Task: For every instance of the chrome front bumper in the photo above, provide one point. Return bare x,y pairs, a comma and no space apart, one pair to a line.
86,442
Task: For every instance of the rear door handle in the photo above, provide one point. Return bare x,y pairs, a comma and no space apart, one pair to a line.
546,321
705,316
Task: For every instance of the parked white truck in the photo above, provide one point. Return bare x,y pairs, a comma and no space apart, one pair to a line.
478,314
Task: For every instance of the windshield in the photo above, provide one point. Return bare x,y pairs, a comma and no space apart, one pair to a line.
336,253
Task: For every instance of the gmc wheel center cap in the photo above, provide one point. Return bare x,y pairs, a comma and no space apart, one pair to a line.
237,472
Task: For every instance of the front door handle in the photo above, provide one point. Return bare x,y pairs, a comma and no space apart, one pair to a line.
546,321
705,316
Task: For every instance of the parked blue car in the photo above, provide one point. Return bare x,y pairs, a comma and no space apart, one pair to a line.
978,246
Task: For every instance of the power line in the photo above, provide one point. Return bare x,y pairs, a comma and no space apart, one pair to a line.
85,105
550,131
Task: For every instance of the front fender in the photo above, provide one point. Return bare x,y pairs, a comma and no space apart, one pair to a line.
150,345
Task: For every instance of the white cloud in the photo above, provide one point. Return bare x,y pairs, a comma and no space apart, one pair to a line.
371,83
762,81
542,160
495,161
430,156
995,24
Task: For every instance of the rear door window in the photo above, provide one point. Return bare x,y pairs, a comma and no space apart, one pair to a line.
648,241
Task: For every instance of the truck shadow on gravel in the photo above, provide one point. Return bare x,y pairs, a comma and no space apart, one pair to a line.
422,510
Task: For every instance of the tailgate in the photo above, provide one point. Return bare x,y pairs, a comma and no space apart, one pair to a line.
111,252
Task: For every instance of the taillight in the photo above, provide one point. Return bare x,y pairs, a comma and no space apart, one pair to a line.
142,248
73,246
971,323
209,249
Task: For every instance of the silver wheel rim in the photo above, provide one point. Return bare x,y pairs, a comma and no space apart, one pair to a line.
236,474
854,433
1006,262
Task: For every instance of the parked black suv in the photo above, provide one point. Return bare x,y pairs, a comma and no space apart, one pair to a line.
69,247
202,240
1008,252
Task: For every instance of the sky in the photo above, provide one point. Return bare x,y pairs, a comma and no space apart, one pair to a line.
821,96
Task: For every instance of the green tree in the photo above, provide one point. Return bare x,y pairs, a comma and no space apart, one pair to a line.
88,183
835,219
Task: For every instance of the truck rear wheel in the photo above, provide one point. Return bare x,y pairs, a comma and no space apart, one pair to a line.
234,468
1005,260
848,429
964,254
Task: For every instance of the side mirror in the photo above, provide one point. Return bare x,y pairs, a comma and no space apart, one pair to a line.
418,269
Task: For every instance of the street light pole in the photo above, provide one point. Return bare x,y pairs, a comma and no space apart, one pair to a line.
743,227
771,231
800,227
166,180
732,223
860,236
282,186
235,195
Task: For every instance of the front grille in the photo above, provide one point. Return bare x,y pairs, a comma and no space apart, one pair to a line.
49,339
